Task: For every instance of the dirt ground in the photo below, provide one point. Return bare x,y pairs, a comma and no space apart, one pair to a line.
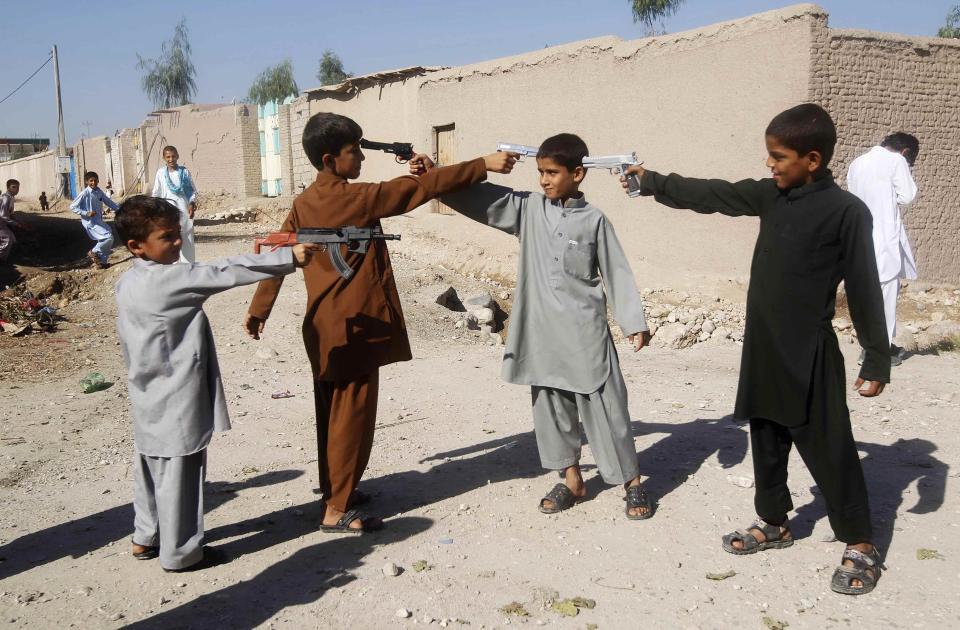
455,471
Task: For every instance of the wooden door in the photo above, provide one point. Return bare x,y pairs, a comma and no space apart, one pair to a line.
446,155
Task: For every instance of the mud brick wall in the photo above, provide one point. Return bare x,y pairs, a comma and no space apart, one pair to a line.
877,83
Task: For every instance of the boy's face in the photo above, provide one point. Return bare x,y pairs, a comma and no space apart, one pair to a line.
557,181
162,244
347,163
13,189
170,158
789,168
92,182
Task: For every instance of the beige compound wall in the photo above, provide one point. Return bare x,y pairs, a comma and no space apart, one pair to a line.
694,102
875,84
36,173
219,144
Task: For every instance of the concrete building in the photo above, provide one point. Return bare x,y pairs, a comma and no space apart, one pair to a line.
271,155
16,148
694,102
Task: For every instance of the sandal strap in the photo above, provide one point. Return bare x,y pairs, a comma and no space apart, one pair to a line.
770,532
350,516
560,495
637,497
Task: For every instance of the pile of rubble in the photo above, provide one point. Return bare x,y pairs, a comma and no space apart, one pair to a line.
680,320
236,215
480,313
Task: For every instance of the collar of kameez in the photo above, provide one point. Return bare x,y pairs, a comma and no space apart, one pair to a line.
573,203
824,182
144,263
326,177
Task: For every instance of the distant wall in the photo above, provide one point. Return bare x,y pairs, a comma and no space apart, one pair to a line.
219,144
36,173
877,83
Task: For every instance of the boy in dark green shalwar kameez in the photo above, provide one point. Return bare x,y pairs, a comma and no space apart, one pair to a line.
812,236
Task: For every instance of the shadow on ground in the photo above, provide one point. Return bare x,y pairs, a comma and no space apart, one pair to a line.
302,578
889,471
80,536
52,243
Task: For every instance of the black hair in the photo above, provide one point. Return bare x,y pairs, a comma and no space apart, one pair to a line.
328,133
141,214
805,128
90,174
11,182
170,147
565,149
901,142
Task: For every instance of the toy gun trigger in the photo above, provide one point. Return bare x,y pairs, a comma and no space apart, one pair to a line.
345,270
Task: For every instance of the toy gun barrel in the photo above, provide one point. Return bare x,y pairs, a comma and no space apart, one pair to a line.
403,150
617,165
357,240
522,149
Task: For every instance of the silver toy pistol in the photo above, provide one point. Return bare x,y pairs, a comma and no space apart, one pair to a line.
617,165
522,149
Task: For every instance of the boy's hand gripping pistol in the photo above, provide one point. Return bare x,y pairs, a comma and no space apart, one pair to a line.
402,150
356,239
617,165
522,149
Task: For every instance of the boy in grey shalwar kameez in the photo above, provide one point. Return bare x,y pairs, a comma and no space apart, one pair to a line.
176,393
559,341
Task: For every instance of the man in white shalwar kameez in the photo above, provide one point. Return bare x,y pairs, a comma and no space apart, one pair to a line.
174,183
881,178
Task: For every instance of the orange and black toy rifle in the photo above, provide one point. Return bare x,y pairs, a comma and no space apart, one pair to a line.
357,240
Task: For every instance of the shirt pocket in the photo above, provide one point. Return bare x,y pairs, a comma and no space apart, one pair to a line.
578,260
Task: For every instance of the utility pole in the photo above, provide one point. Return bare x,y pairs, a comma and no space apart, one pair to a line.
62,146
87,124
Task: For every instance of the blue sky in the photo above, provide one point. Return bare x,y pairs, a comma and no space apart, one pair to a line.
234,40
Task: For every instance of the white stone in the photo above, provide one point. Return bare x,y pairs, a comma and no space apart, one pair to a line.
403,613
708,327
484,315
391,570
742,482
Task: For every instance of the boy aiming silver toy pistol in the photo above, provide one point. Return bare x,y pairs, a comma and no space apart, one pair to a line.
522,149
617,165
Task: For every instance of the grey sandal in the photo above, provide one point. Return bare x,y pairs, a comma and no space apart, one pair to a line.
562,497
638,498
773,538
866,568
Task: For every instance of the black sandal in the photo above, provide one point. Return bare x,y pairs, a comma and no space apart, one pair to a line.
562,497
866,568
367,524
773,538
638,498
148,553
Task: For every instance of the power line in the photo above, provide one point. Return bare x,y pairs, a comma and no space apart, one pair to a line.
27,79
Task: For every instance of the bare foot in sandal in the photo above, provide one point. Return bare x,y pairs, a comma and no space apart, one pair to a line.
573,481
859,570
759,536
639,505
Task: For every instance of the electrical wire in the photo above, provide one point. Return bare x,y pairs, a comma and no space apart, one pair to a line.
17,89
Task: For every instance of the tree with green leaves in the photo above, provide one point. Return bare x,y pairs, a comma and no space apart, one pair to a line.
952,29
650,12
274,84
170,79
331,69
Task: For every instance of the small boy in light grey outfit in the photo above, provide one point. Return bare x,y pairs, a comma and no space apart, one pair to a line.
176,393
559,341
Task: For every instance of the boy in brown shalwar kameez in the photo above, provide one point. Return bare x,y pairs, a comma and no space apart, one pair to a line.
352,327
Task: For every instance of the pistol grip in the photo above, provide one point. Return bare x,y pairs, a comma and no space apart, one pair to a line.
345,270
633,185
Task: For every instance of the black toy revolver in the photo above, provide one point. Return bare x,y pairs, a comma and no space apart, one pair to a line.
402,150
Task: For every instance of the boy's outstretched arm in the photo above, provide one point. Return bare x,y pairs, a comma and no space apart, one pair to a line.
403,194
744,198
621,287
267,291
862,283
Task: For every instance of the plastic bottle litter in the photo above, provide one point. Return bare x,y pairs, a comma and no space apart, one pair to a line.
92,382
